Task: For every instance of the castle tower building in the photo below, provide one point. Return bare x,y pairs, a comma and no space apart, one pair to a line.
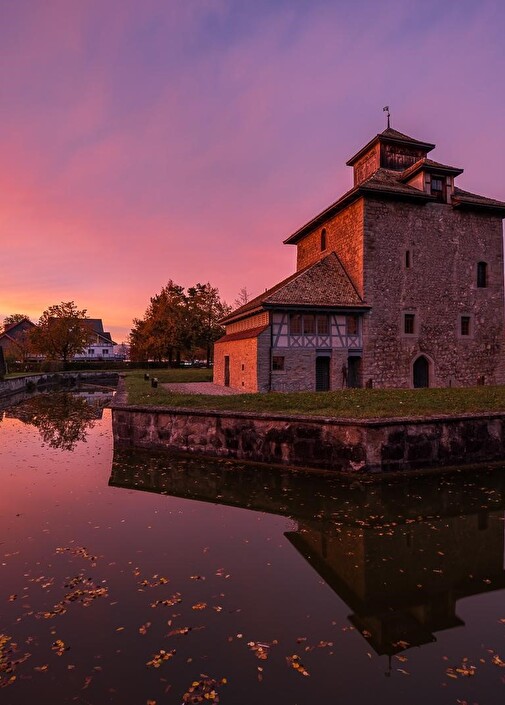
399,283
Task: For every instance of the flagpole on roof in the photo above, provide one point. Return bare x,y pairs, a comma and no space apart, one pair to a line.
385,109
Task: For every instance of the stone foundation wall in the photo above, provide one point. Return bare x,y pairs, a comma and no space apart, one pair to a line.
338,445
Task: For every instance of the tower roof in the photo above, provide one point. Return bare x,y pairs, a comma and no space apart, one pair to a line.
391,136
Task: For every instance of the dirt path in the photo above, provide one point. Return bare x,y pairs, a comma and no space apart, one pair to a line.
199,388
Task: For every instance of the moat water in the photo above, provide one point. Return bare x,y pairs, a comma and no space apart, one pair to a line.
149,579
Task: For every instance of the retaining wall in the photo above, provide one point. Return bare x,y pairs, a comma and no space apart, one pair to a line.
31,383
331,444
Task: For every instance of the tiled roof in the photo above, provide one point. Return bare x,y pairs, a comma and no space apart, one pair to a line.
429,164
325,283
386,181
465,198
390,135
243,334
96,324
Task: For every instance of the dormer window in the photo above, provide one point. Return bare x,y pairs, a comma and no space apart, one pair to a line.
438,188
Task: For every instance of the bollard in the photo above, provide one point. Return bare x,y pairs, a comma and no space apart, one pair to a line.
146,376
154,382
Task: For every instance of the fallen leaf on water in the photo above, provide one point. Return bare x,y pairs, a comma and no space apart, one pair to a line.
182,631
59,647
203,690
295,663
160,658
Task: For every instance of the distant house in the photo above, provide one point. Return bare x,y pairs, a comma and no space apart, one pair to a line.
14,339
101,345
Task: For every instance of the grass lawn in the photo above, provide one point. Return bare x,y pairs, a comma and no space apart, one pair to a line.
348,403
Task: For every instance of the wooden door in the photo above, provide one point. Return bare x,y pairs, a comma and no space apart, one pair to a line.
226,370
322,374
421,372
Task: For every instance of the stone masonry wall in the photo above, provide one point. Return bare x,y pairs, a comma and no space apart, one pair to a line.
299,374
372,446
445,245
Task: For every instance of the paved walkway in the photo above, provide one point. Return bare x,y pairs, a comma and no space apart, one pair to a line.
199,388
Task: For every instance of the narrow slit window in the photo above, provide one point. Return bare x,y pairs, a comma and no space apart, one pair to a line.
481,275
465,325
323,239
408,259
409,323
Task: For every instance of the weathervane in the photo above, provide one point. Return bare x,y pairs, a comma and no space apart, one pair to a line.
385,109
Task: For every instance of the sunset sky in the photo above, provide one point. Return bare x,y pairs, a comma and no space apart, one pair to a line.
148,140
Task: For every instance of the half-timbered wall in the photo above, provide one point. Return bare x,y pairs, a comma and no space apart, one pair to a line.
339,334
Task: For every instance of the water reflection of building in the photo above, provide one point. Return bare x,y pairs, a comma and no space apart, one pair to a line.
403,582
400,556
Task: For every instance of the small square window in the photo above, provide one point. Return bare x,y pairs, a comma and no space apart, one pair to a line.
278,363
409,320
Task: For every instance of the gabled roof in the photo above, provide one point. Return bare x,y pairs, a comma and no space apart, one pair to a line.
11,331
96,325
324,284
431,166
391,136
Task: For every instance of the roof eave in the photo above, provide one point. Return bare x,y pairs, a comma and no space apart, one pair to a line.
470,205
384,138
326,307
452,171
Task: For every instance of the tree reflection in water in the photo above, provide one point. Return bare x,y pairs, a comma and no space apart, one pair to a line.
62,418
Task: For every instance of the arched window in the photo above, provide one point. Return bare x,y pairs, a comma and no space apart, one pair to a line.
323,239
481,275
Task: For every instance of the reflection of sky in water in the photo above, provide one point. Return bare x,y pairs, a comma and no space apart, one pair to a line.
258,582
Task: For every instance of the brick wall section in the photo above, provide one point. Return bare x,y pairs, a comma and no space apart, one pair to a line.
249,363
440,285
344,235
